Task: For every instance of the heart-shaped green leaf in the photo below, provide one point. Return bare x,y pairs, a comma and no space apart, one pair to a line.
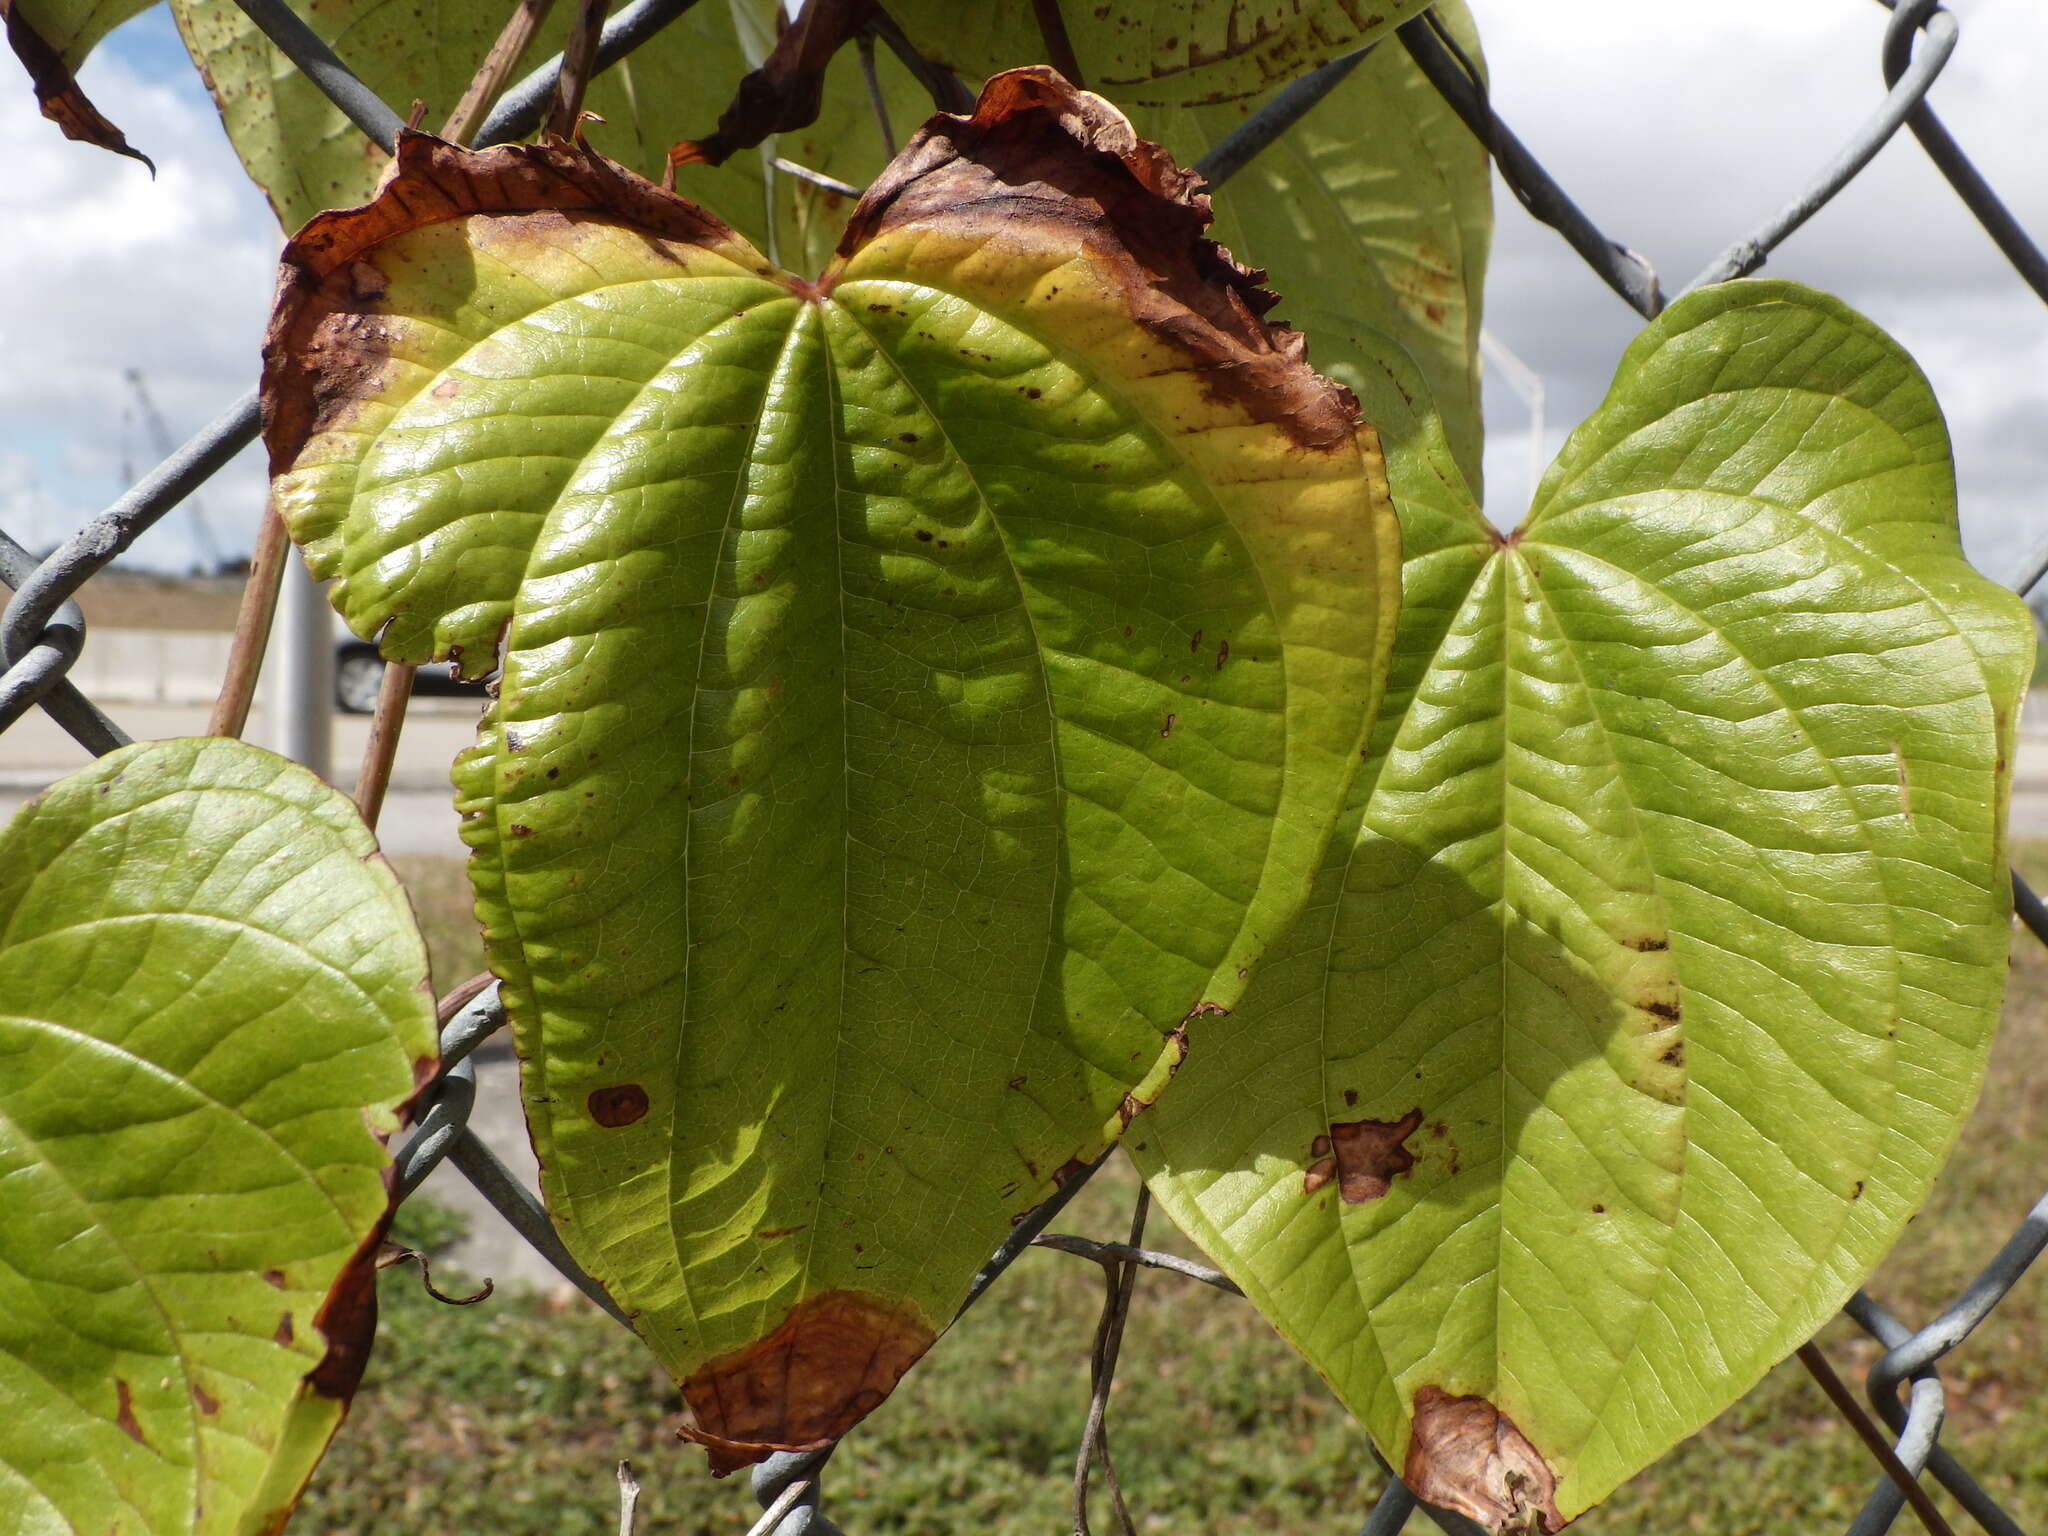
927,690
1375,210
1152,52
212,1001
1634,1014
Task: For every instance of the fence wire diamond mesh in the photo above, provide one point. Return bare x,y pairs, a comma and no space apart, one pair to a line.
43,632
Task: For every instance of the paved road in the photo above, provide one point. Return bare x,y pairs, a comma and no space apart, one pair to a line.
418,815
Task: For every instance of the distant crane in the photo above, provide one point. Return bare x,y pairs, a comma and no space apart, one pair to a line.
202,531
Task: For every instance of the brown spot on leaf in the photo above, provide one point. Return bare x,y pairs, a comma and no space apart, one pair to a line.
925,534
620,1104
284,1333
1363,1156
124,1414
770,1234
274,1278
520,829
1649,944
207,1404
1350,1098
447,389
1667,1011
1465,1454
57,93
829,1364
1071,1168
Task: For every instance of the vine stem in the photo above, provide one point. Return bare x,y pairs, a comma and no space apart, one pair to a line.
1845,1403
394,693
1118,1277
496,68
579,56
252,628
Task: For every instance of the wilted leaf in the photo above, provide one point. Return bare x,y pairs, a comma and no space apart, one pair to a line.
307,157
1154,52
1375,210
927,689
52,38
1656,974
212,995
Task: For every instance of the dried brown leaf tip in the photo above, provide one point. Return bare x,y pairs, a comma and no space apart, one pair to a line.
1466,1455
325,351
1363,1156
57,92
1039,161
832,1361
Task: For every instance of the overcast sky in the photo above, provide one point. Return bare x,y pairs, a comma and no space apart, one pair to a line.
1677,126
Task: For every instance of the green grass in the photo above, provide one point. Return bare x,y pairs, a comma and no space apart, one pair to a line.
507,1418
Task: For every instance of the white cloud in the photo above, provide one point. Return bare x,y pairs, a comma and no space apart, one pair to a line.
107,270
1679,128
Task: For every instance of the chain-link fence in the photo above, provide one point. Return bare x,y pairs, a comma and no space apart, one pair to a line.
42,634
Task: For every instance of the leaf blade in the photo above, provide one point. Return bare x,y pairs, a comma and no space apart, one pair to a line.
170,921
1720,737
979,590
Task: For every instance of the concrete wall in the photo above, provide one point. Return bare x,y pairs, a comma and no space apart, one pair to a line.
151,666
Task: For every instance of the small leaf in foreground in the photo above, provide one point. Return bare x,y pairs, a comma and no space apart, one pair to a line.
926,692
1654,973
212,1003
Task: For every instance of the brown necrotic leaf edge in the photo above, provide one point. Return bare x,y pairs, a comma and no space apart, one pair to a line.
829,1364
323,353
1037,162
1465,1454
1040,159
57,92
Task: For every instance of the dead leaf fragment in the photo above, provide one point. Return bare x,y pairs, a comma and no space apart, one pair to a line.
1465,1454
57,92
788,89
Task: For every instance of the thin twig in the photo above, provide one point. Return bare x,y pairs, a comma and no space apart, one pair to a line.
1845,1403
864,44
252,628
787,1500
578,57
815,178
381,750
1118,1278
495,70
629,1498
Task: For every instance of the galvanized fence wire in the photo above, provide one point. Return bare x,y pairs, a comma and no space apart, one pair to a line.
43,632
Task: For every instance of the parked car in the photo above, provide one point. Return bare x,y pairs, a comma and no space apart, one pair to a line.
359,673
